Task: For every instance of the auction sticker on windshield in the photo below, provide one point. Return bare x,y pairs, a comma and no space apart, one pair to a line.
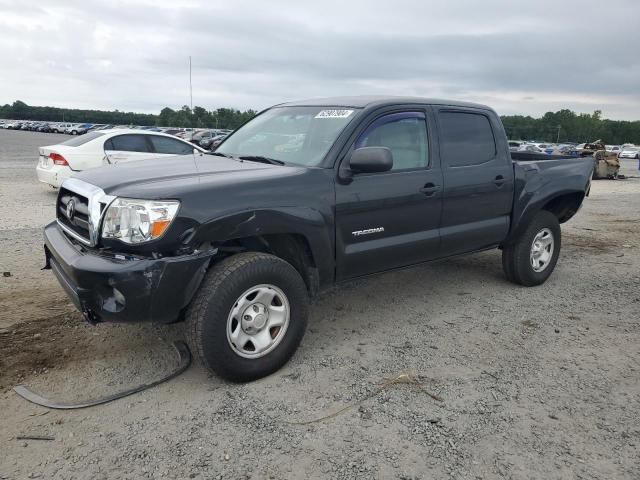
334,113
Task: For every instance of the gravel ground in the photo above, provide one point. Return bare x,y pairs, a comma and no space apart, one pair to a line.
535,382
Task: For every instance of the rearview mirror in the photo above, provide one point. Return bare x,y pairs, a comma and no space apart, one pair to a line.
371,160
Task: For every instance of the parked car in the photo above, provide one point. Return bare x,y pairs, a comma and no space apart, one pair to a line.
60,127
613,148
213,142
530,148
186,133
630,152
237,244
567,150
78,129
58,162
201,135
514,145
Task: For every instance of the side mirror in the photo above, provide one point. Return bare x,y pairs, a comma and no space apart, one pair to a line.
371,160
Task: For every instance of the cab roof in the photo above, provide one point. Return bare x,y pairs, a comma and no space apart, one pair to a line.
364,101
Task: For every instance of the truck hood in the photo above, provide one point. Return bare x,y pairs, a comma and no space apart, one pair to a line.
168,173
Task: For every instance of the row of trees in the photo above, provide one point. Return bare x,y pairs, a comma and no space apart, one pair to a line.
568,126
21,111
201,118
560,126
185,117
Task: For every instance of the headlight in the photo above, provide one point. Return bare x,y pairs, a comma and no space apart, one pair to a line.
136,221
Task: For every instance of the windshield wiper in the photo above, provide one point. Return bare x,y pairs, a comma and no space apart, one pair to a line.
261,159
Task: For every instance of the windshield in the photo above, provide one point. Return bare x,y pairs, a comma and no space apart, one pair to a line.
298,135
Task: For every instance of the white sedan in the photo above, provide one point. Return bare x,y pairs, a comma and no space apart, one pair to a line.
630,152
530,148
103,147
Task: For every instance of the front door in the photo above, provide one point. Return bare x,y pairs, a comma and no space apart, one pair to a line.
390,219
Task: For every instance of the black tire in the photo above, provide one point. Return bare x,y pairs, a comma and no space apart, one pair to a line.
209,310
516,256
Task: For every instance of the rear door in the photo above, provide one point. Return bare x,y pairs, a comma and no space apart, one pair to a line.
390,219
127,147
478,179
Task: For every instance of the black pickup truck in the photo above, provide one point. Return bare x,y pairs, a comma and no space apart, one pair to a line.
303,196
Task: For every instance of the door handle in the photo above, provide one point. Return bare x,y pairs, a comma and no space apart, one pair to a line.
429,189
499,181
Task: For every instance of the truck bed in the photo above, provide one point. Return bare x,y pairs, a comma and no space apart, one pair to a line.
531,156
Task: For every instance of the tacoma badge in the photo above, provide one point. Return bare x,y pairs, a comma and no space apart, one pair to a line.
368,231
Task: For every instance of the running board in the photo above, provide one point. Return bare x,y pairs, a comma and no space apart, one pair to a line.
184,357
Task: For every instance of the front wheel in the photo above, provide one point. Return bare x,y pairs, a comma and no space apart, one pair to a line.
248,317
530,258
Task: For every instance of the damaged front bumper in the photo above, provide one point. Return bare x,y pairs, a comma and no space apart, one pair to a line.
106,288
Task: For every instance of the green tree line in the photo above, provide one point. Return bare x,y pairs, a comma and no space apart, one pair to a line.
185,117
561,126
567,126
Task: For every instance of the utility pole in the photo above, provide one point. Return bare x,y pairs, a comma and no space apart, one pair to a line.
190,86
558,137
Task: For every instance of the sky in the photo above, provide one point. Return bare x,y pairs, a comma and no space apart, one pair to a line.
520,57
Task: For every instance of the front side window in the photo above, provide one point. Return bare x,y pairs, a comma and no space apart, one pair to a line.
465,139
297,135
405,134
170,146
127,143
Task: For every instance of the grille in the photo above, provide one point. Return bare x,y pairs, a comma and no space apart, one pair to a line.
79,222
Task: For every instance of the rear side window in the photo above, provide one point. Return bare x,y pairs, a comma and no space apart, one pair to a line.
127,143
169,145
466,139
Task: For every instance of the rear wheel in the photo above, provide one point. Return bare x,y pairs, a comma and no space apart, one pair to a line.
248,317
531,258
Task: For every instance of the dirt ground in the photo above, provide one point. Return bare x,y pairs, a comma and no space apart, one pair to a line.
535,382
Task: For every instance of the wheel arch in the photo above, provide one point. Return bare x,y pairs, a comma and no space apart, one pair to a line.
293,248
564,205
300,236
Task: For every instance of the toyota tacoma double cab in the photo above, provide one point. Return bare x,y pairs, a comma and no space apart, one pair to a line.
303,196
